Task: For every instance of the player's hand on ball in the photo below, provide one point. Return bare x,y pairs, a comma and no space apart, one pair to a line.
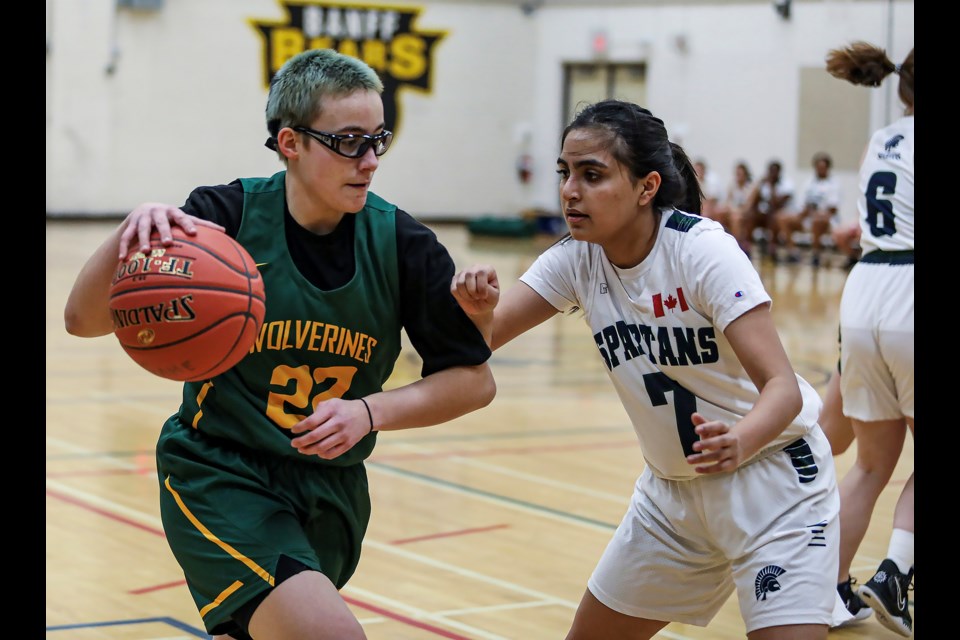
476,289
332,429
718,449
190,309
141,222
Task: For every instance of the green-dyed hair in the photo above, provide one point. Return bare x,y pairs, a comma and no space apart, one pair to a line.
299,87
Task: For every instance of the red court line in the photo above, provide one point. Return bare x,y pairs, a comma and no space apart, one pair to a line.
404,619
157,587
105,513
448,534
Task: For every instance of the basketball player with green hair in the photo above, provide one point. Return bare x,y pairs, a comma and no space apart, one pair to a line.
263,490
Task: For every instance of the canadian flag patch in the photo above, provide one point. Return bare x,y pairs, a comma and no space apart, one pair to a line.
670,303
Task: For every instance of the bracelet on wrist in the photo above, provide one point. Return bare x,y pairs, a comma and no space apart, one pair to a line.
369,414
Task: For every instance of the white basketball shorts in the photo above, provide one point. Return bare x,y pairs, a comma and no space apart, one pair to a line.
876,341
770,529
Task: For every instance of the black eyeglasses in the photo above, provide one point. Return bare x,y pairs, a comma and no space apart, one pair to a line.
350,145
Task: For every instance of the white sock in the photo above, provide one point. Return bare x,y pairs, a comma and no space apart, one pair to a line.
901,549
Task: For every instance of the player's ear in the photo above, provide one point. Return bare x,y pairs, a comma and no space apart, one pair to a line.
647,187
288,143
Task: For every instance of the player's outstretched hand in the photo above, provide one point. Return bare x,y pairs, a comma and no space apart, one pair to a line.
141,222
476,289
718,449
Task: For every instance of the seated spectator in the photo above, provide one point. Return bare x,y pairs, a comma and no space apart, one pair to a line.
846,238
769,199
712,191
821,202
734,207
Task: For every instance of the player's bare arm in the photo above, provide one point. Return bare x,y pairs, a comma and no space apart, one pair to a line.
756,342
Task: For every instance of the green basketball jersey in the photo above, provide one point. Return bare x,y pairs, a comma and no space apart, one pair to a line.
314,345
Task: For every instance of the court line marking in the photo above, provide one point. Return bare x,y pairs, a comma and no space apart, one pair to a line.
566,486
419,454
84,451
399,437
542,598
106,508
450,534
468,573
497,499
412,614
495,607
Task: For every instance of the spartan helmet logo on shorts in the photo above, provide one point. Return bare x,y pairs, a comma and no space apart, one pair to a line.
766,581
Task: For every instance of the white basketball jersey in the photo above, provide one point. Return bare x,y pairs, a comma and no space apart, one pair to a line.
885,203
822,193
659,328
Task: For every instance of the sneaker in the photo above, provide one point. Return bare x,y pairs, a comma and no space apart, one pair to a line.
853,609
815,260
793,258
886,593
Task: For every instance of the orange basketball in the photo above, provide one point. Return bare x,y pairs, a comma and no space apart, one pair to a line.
189,311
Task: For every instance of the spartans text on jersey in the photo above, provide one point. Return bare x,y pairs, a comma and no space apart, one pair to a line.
667,346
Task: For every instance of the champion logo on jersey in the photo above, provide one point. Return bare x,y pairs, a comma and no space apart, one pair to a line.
670,303
738,294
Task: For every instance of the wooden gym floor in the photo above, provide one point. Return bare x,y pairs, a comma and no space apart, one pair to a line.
484,528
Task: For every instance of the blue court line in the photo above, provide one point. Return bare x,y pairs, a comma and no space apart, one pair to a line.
114,623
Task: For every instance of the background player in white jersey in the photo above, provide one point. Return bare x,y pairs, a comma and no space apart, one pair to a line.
819,211
876,331
770,199
738,490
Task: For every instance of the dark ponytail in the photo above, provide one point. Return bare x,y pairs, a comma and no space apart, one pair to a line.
693,198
